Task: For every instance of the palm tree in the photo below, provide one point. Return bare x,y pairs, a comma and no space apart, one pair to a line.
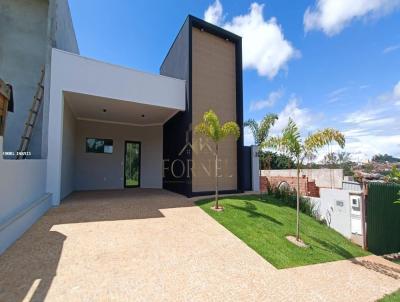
260,130
290,142
211,128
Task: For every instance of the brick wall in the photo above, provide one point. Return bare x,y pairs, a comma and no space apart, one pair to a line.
307,187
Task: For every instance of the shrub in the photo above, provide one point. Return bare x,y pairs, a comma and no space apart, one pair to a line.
287,196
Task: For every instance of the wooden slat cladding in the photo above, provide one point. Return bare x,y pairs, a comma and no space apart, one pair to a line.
213,87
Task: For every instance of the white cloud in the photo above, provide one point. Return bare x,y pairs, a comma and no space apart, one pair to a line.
392,96
213,14
336,95
265,48
363,147
374,128
363,116
302,117
248,137
396,92
332,16
391,49
272,98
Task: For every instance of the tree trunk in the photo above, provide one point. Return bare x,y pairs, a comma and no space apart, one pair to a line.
216,177
298,203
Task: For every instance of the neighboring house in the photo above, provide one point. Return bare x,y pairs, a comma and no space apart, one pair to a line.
103,126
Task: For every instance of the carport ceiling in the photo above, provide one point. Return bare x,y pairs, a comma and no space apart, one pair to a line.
89,107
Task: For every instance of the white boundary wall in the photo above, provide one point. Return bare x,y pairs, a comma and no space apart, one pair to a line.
23,197
334,206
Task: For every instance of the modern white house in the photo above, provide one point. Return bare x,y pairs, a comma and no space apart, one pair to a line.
102,126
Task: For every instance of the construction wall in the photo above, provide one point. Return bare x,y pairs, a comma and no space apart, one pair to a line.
61,35
307,187
28,31
324,178
23,45
23,197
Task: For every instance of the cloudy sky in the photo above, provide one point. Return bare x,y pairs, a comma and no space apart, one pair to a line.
325,63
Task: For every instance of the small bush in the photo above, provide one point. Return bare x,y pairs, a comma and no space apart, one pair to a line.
288,197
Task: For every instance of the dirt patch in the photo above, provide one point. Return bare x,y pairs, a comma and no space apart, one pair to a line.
299,243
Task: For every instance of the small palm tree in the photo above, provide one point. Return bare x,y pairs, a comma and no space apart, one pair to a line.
290,142
260,130
211,128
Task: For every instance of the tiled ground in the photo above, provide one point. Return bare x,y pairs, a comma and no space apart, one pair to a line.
153,245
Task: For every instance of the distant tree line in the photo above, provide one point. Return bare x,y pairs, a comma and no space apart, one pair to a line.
382,158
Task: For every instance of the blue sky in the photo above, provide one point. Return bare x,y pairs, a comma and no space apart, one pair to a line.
331,63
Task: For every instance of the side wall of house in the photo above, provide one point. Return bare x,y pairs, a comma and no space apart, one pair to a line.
213,87
106,171
23,197
23,45
177,129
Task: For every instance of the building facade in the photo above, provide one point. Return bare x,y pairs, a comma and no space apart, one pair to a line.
103,126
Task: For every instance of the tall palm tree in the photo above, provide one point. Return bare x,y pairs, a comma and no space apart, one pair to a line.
211,128
291,143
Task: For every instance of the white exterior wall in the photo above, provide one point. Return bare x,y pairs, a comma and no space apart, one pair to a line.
23,197
324,178
335,203
73,73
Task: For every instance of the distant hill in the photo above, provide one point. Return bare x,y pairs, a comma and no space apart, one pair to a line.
382,158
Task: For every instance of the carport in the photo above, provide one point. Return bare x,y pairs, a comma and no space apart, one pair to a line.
106,125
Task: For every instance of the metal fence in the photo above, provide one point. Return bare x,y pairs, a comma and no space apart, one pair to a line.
383,218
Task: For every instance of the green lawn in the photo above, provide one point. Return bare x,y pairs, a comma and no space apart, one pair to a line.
131,182
394,297
263,225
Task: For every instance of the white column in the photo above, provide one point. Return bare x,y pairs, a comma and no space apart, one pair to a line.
54,153
255,169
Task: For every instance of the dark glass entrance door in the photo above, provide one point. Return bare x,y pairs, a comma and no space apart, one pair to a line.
132,165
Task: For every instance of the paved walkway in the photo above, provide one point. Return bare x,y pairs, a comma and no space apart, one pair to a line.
152,245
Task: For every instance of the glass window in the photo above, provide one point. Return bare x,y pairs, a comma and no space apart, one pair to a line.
99,145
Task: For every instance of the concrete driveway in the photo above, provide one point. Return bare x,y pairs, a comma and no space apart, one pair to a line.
153,245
